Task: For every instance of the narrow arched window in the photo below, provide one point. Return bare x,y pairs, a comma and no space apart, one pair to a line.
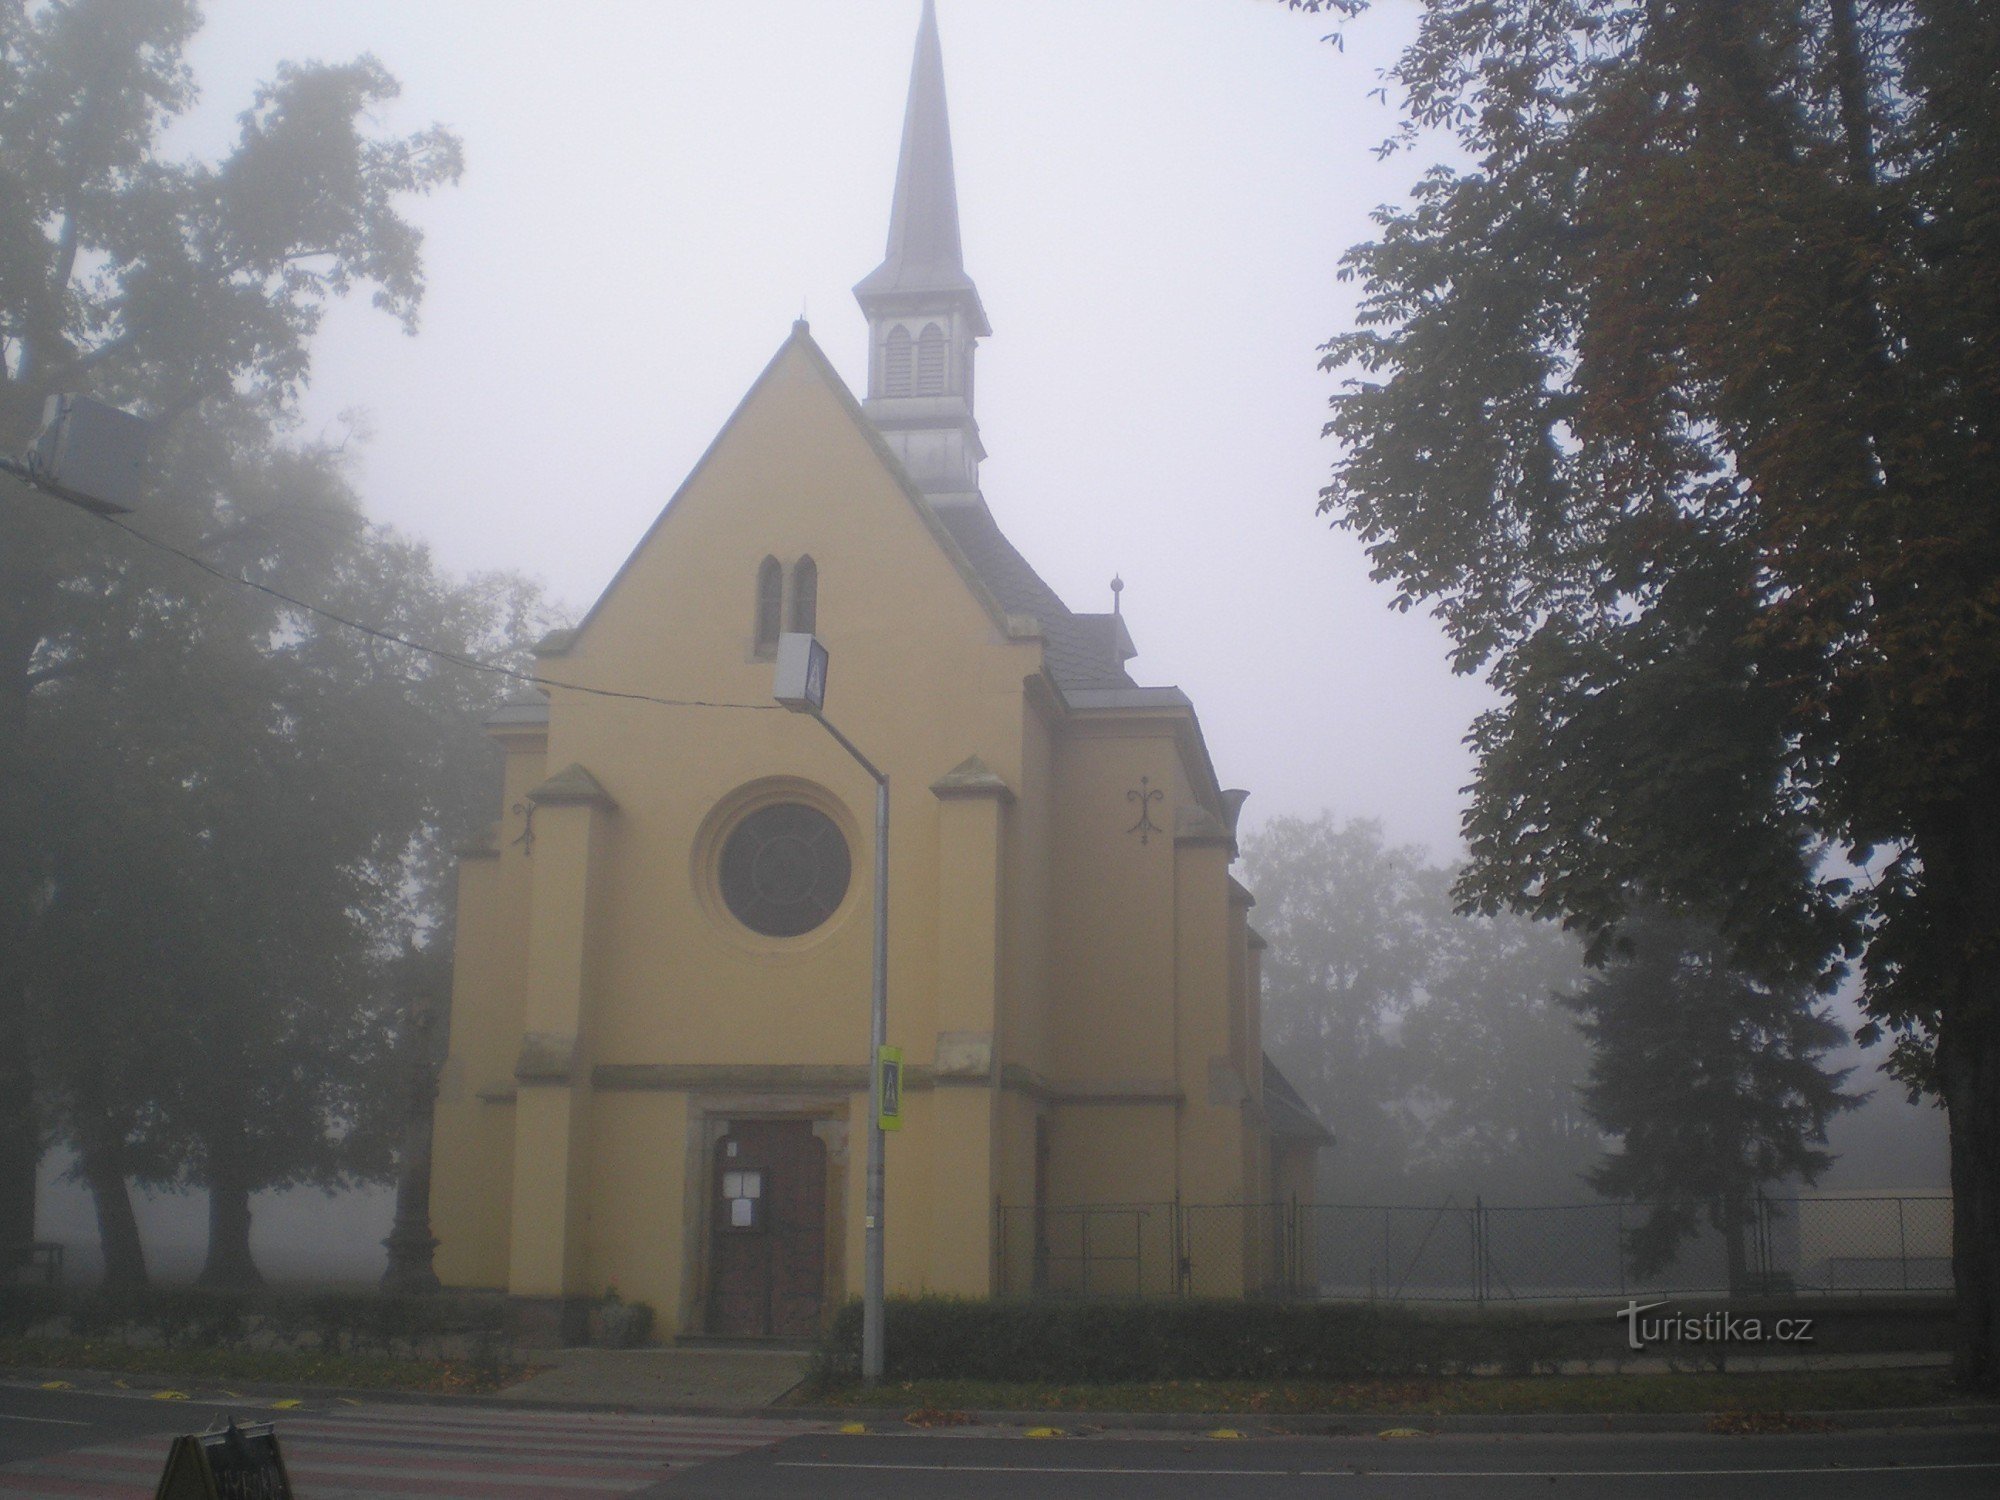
805,595
770,604
930,361
896,362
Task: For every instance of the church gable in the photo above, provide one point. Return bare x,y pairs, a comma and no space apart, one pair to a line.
798,516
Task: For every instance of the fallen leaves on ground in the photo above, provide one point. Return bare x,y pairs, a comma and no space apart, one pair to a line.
938,1416
1755,1423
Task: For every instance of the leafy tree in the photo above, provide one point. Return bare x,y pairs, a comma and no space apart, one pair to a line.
277,796
190,291
1430,1042
1491,1061
1676,403
1350,922
1712,1082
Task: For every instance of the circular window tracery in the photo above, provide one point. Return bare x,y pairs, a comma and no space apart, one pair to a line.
784,869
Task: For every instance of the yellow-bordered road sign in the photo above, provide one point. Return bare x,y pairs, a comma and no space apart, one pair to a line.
890,1061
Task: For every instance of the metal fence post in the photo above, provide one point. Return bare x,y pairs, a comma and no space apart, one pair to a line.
1478,1250
1295,1245
1902,1245
1762,1243
1183,1272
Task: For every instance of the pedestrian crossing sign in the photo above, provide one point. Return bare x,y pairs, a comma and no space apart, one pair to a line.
889,1070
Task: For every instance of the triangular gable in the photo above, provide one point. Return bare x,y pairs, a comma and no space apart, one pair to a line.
801,339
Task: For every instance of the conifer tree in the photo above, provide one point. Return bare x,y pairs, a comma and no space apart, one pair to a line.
1711,1082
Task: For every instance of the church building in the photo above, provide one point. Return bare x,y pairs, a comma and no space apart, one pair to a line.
658,1076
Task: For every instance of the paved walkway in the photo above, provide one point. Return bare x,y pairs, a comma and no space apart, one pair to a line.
711,1379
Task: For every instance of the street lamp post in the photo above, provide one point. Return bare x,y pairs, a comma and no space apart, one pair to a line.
88,454
800,685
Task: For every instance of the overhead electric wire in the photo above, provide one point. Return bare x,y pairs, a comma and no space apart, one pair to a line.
455,658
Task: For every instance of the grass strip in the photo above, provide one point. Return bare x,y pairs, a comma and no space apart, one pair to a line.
1829,1390
371,1372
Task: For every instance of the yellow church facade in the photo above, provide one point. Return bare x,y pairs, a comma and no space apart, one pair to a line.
658,1075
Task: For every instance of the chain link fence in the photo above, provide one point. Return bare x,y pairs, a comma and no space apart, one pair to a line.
1465,1250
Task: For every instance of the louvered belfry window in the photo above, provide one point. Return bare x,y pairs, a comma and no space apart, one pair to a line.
930,361
805,595
770,604
896,362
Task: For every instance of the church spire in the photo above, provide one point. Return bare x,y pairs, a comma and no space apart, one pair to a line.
924,314
924,253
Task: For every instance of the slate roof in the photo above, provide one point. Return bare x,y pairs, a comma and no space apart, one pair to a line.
521,709
1081,650
924,253
1286,1112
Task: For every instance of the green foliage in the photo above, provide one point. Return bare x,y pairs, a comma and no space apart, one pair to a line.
221,820
1712,1083
22,1307
480,1372
1681,1391
1431,1042
317,1322
1676,403
949,1338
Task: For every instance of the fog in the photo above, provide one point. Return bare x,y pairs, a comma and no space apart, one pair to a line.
1154,194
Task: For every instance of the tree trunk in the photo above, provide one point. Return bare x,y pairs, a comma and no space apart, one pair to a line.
117,1226
229,1264
1960,848
1732,1225
22,593
20,1131
411,1244
1969,1074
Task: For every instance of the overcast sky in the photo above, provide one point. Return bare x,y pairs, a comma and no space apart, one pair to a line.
1154,195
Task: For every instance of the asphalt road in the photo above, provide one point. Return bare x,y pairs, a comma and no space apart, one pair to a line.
112,1445
1913,1464
35,1422
1894,1466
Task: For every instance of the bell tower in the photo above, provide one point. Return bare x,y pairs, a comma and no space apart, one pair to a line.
924,314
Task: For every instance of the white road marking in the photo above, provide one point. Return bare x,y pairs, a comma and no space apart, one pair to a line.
7,1416
1824,1471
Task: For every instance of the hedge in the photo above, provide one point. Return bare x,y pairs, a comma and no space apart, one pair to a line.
948,1338
326,1322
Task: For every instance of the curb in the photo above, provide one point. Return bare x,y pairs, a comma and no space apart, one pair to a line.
88,1382
1366,1425
891,1418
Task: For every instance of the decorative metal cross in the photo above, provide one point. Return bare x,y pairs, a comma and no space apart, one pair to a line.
1145,795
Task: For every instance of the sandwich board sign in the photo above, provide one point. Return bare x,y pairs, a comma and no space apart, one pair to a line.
236,1463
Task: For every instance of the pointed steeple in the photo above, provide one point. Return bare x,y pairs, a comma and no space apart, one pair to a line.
924,315
924,255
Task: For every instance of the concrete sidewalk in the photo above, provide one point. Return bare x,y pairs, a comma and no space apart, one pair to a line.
727,1379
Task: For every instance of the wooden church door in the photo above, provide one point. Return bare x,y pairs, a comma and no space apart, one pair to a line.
768,1243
